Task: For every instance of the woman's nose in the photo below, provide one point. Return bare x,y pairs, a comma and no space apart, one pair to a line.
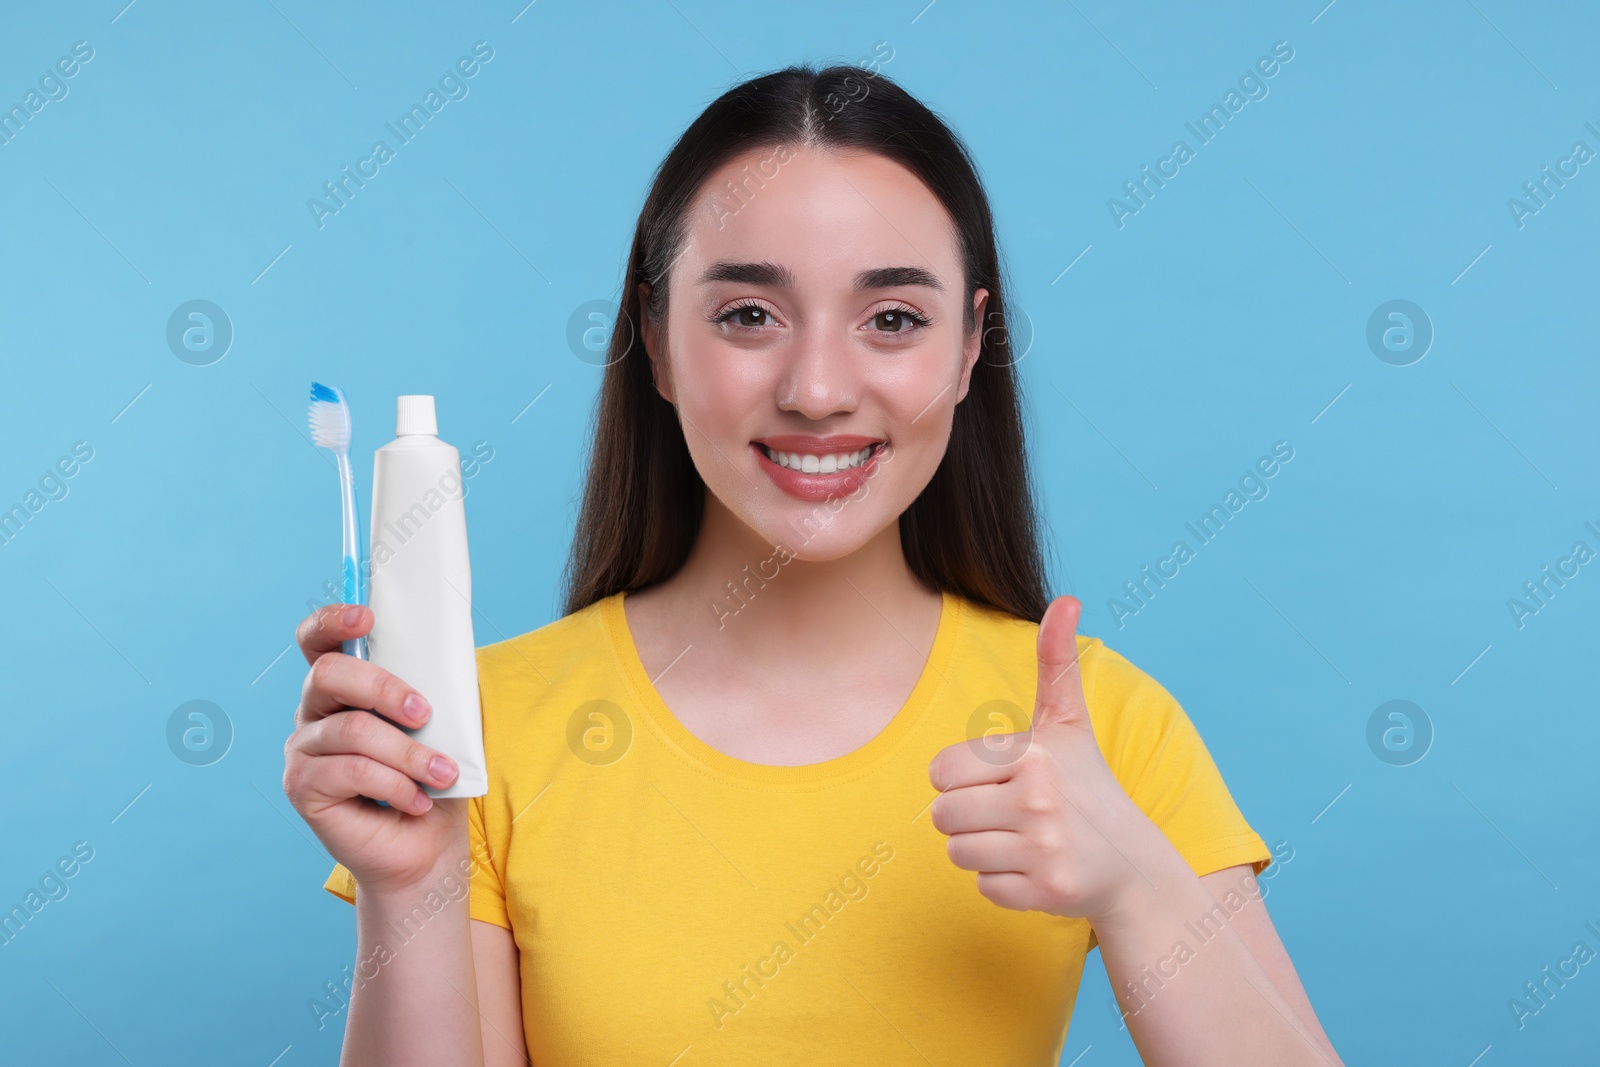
819,379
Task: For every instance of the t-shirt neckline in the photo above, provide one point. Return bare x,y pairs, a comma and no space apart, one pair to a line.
935,672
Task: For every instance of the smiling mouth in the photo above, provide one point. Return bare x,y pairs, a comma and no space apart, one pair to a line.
831,463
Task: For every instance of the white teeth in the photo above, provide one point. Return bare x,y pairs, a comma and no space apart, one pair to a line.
808,464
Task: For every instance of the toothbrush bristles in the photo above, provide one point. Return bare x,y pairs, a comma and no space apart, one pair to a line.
329,417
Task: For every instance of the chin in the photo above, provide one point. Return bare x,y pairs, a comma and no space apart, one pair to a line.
818,534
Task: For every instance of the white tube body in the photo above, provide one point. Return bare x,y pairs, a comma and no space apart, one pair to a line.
421,597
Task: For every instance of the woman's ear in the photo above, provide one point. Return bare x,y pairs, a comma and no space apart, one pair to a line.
974,342
660,371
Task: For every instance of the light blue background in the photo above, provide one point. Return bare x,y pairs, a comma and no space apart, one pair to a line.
1228,314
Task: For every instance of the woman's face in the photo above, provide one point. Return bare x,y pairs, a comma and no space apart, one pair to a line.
815,315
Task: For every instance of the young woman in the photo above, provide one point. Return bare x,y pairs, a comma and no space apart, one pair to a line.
812,770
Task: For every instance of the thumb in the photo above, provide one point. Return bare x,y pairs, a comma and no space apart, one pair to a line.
1059,697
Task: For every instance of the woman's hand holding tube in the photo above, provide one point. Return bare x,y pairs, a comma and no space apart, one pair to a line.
340,754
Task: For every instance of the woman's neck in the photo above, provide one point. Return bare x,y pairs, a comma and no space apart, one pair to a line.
745,600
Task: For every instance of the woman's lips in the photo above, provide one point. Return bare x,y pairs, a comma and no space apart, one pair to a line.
818,487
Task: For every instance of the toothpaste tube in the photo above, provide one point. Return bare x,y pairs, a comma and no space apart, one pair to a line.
421,589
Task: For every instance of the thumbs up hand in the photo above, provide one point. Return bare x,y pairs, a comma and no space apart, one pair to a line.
1038,813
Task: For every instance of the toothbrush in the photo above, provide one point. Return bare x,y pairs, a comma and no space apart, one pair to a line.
330,428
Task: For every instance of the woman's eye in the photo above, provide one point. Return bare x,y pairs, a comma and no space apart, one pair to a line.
899,320
752,316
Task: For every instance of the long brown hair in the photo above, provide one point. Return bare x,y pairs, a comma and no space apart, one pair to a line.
973,531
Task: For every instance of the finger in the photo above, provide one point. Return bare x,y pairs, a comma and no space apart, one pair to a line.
990,851
976,807
1059,696
324,629
1010,889
336,682
325,780
979,761
361,733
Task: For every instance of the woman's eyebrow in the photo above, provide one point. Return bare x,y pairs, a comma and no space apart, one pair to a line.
772,274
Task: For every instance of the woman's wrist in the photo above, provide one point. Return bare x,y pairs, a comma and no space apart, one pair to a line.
1158,880
448,878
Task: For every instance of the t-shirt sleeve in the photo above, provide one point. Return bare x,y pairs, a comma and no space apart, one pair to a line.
488,891
1156,753
487,898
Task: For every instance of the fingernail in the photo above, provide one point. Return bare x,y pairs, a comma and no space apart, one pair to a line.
415,707
443,770
351,615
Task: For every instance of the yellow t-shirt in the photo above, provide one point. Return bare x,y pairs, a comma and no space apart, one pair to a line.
673,904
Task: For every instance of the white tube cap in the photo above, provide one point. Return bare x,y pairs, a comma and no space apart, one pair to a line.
415,415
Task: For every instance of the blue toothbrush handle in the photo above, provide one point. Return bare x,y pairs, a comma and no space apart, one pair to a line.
352,594
353,590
